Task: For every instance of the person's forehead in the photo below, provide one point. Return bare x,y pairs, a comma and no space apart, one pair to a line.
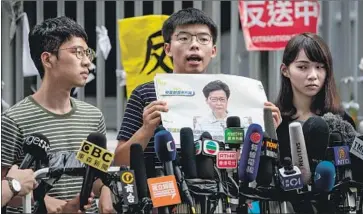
75,42
193,28
218,92
301,57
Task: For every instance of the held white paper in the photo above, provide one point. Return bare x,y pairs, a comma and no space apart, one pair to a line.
189,106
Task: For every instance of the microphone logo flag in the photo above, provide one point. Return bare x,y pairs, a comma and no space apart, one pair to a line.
127,177
227,160
341,155
198,147
233,135
210,147
95,156
170,146
164,191
129,191
270,147
37,141
357,147
290,181
255,137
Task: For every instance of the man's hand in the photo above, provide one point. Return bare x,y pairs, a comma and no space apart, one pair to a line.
105,203
152,115
54,205
25,177
276,114
72,206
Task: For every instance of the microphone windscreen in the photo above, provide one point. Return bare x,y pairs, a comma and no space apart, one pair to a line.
159,128
316,135
205,164
205,167
251,151
150,166
187,151
36,145
206,135
97,139
137,163
337,124
269,123
233,121
164,146
298,151
265,171
324,177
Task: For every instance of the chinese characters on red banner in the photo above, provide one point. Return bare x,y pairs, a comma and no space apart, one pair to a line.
268,25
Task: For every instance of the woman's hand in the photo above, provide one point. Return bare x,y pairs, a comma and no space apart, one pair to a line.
276,114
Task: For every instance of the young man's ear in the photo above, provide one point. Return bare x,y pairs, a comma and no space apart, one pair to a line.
214,51
284,70
167,50
46,59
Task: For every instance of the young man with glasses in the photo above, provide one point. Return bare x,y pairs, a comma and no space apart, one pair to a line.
190,39
59,49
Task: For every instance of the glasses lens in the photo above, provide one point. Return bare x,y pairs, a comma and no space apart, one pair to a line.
184,37
90,54
204,38
80,53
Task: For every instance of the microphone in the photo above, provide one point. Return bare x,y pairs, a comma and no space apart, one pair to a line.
324,177
269,123
204,161
268,153
357,158
250,156
137,164
187,151
233,134
298,151
337,124
36,147
93,149
183,185
159,128
316,135
128,185
338,153
324,180
290,176
357,147
165,150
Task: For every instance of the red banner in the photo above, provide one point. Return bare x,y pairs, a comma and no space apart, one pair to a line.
269,25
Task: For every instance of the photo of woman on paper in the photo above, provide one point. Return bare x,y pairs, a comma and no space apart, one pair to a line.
216,95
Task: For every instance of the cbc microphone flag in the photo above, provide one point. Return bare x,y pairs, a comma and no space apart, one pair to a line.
203,102
142,52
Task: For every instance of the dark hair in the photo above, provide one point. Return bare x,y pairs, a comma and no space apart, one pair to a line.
188,16
215,86
327,99
50,35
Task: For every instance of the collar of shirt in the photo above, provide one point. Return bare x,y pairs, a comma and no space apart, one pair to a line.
213,119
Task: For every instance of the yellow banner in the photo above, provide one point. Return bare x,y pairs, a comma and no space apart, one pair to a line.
142,52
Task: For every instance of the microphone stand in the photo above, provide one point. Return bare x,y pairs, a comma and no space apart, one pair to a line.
242,206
